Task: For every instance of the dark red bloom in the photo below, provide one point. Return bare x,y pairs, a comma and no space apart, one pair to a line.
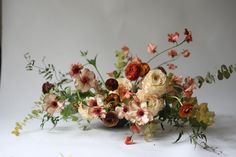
47,87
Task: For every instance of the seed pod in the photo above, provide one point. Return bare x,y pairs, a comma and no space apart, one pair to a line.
144,69
111,119
111,84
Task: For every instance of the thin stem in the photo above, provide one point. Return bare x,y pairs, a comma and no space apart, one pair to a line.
178,44
171,60
99,74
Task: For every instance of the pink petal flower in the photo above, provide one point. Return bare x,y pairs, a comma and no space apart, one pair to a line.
151,48
85,80
173,37
172,66
177,79
172,53
186,53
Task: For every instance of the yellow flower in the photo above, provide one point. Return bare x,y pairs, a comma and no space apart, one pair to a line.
203,115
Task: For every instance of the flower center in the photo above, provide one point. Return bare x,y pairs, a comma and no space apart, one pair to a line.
93,103
140,112
85,80
125,109
76,69
54,104
97,110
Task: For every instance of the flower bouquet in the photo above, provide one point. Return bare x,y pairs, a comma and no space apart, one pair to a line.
134,94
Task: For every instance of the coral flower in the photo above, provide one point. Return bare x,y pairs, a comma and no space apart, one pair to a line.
188,35
151,48
128,140
135,129
177,79
173,37
186,53
132,71
172,53
51,104
185,111
85,81
75,69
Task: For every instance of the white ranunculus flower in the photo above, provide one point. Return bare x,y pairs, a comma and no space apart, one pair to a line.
155,105
124,82
155,82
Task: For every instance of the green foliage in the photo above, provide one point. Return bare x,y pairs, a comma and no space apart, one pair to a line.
224,72
47,117
35,113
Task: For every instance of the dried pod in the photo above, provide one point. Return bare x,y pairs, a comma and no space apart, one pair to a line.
144,69
111,119
111,84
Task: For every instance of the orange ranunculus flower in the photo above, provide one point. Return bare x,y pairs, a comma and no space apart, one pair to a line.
185,111
132,71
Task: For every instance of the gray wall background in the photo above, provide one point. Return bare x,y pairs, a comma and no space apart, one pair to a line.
59,29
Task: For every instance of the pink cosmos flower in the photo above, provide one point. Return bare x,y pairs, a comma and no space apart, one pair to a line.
122,111
172,53
51,104
173,37
188,35
189,86
151,48
177,79
172,66
85,80
186,53
75,69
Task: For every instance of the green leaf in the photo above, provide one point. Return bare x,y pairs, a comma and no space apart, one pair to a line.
220,75
179,137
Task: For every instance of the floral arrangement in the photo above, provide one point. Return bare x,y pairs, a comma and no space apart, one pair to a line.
134,94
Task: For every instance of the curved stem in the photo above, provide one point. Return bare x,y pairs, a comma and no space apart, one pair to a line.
178,44
175,97
171,60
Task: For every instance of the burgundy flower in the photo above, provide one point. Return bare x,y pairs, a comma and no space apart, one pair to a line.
47,87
